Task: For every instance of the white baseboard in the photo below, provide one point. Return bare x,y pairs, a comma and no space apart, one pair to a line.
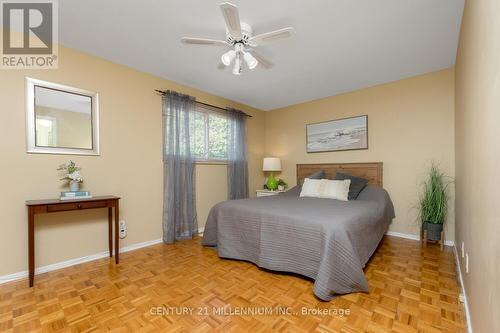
401,235
414,237
462,286
76,261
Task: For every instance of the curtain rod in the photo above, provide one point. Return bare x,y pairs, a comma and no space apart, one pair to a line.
162,92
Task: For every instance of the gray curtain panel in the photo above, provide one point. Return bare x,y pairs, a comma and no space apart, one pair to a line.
179,204
237,166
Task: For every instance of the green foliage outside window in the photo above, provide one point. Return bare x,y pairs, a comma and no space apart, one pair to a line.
210,135
217,137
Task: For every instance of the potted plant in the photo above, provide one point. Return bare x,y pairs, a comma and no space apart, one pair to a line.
434,203
281,185
71,173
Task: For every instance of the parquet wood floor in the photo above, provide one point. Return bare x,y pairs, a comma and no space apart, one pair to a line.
411,290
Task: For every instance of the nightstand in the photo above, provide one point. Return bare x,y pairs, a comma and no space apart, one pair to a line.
267,193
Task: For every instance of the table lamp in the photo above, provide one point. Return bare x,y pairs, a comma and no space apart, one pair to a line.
271,164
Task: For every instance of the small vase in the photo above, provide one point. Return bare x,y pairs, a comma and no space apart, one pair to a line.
271,182
74,186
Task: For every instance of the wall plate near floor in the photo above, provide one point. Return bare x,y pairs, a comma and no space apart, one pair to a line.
122,229
461,298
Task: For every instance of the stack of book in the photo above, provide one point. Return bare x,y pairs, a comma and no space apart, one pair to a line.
69,195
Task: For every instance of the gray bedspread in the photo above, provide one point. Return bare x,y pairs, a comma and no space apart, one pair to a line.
327,240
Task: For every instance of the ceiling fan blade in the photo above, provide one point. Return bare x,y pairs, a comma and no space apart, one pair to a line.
203,41
272,36
232,18
262,60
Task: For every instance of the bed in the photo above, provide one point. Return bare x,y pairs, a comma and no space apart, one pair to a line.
327,240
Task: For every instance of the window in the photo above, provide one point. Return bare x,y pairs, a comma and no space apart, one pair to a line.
45,131
210,134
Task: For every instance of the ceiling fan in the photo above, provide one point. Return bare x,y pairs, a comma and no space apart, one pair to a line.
239,36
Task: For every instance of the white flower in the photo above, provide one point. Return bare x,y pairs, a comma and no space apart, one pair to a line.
75,176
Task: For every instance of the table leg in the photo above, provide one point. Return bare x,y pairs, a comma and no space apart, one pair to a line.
110,231
31,245
117,236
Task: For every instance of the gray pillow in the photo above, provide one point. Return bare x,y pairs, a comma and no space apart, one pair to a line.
357,184
316,175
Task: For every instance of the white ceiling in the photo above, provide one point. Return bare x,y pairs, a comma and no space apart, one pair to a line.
339,45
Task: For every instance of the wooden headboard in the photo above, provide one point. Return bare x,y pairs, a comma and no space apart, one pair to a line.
371,171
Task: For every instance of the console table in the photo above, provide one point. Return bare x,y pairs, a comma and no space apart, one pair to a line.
56,205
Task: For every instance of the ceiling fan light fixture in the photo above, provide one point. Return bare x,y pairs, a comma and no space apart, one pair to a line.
242,41
250,60
228,57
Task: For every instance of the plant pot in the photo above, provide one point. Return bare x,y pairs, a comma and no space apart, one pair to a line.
281,187
433,230
74,186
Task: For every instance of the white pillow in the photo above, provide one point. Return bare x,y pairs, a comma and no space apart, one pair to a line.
311,188
336,189
324,188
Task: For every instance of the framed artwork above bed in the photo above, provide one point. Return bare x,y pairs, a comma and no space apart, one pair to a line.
338,135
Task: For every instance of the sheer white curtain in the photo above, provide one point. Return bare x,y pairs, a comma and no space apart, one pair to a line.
237,166
179,199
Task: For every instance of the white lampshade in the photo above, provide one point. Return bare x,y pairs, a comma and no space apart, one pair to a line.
250,60
228,57
271,164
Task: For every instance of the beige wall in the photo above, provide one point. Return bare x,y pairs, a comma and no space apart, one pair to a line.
478,160
410,124
211,188
130,164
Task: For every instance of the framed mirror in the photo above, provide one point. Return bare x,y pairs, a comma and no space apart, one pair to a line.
61,119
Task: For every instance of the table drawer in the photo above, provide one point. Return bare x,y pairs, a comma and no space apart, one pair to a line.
76,205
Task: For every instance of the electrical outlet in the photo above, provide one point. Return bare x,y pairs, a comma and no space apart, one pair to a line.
463,249
466,263
123,229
